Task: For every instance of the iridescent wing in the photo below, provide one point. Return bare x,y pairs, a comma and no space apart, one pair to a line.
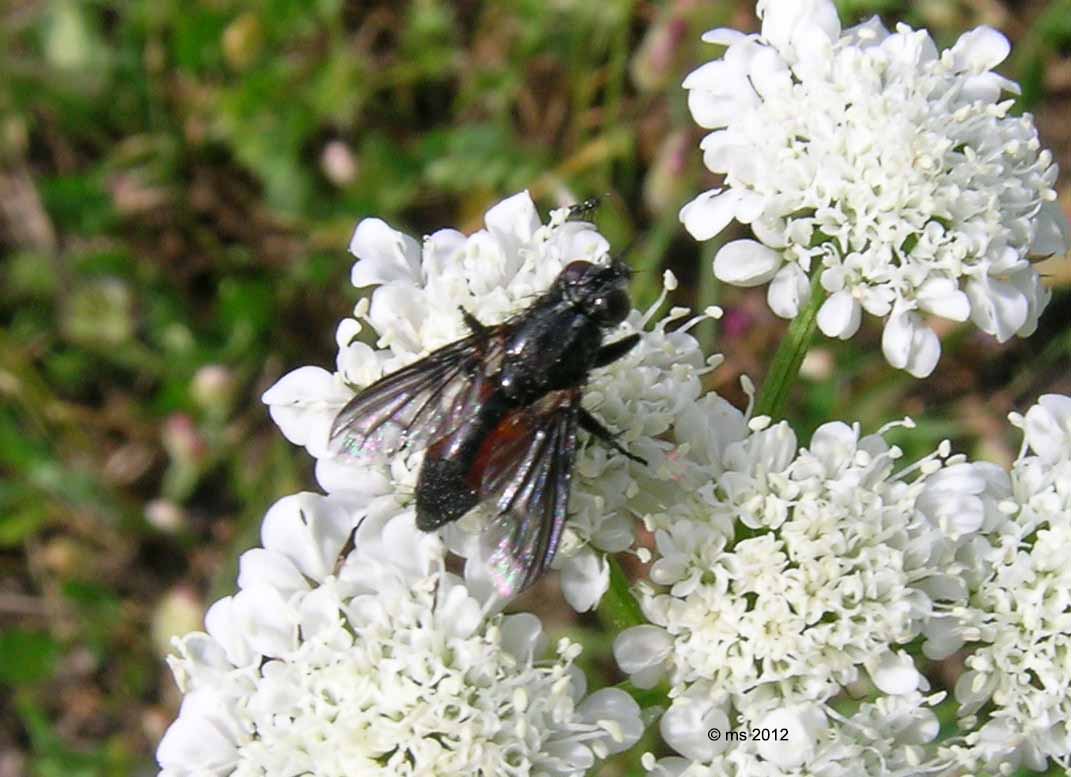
524,469
421,402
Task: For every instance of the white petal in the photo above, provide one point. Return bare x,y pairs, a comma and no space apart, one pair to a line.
303,403
910,345
399,314
1053,235
641,647
804,723
894,673
769,73
384,255
584,579
942,297
711,110
260,566
685,726
770,230
199,742
575,756
514,220
719,149
866,34
749,205
442,249
1037,294
1048,427
910,48
302,385
708,214
615,706
943,638
985,87
834,444
523,636
359,364
724,36
840,315
225,627
365,482
204,652
268,624
308,529
710,77
786,22
980,49
457,614
997,307
789,291
319,613
746,263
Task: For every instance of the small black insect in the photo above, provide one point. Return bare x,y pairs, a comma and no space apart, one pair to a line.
497,413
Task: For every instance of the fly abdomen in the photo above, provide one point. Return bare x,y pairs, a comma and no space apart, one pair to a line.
442,495
445,488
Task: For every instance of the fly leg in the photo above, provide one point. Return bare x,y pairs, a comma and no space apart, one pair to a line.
609,354
594,427
474,324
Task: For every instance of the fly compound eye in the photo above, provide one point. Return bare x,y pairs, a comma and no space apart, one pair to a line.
575,272
617,306
609,309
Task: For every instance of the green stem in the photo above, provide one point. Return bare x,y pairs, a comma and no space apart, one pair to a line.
619,608
789,356
647,697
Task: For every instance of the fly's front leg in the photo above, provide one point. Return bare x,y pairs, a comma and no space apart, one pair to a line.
474,324
609,354
594,427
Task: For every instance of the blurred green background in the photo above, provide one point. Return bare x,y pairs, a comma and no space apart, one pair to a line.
178,184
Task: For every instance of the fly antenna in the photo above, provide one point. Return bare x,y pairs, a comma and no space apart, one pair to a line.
621,257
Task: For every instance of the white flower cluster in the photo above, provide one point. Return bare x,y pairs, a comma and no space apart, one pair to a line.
891,170
494,273
884,738
784,578
1018,615
376,661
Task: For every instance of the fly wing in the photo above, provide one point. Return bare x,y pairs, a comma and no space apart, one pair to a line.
524,470
420,402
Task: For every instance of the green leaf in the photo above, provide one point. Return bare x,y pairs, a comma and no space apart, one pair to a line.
26,657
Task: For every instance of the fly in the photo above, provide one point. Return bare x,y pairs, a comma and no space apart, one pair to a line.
497,414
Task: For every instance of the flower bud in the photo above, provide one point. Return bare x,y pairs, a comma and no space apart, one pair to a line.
667,182
178,612
338,163
213,388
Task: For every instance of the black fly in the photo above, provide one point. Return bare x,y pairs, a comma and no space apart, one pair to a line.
497,413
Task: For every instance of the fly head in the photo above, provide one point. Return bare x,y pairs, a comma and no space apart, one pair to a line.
597,290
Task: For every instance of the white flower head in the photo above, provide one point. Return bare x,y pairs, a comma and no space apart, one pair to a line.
1018,616
376,661
892,171
887,737
495,273
794,575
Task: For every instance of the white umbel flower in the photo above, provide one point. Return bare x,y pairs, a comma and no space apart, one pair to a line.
884,738
1018,617
796,573
376,662
494,273
893,171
